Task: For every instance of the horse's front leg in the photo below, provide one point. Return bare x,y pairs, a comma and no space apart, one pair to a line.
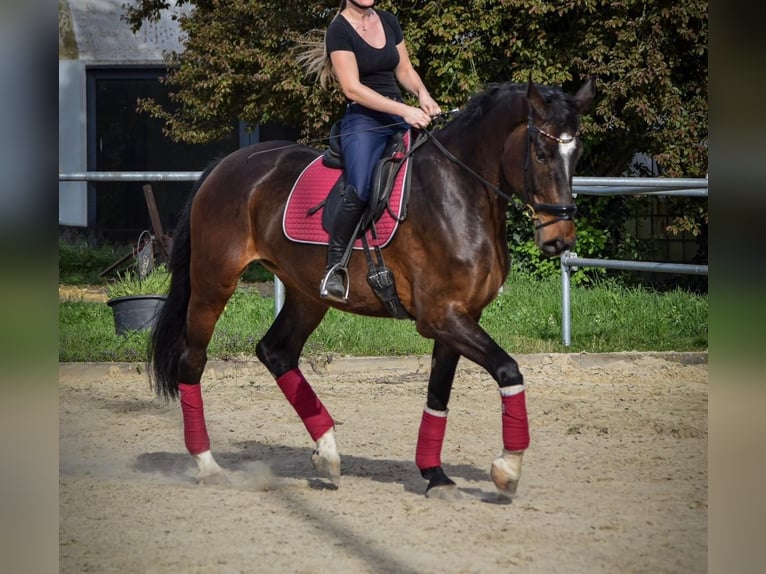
280,351
506,468
463,335
433,423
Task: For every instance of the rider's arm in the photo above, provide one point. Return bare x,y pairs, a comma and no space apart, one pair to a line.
347,72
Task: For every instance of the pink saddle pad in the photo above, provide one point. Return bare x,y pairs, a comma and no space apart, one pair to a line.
312,187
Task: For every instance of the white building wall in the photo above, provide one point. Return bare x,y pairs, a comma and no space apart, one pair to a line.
103,37
73,195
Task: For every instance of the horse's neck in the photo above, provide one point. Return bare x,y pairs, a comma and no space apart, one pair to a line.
480,149
482,143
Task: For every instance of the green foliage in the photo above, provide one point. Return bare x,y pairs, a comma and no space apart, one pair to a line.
649,60
129,283
81,262
694,222
255,273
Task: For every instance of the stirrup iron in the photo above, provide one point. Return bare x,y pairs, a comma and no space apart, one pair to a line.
343,271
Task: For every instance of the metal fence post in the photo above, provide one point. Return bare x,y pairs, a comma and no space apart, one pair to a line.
279,295
566,315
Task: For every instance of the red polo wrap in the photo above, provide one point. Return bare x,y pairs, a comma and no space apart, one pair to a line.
195,431
515,423
430,439
305,402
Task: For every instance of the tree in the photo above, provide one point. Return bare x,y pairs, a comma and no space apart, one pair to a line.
649,60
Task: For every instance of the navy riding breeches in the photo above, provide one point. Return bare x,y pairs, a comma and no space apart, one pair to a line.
364,135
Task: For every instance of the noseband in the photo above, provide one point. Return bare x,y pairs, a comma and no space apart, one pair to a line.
560,212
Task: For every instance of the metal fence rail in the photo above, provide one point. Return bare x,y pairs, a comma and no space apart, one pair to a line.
690,187
686,187
570,262
142,176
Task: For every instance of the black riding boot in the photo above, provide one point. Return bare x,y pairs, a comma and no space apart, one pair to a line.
343,227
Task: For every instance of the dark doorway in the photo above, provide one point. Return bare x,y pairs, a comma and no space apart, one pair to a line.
122,139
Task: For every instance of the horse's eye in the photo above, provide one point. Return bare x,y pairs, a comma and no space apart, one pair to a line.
540,157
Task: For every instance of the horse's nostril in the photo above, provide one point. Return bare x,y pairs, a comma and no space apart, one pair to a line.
552,247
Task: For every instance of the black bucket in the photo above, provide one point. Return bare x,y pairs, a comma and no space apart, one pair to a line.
135,312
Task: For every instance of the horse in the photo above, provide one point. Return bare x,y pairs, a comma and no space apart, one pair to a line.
510,142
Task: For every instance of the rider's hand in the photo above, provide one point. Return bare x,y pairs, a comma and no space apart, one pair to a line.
416,117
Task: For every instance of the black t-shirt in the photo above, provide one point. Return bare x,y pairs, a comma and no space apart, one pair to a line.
376,66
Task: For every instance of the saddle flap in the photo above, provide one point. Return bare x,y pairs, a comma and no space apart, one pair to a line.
385,175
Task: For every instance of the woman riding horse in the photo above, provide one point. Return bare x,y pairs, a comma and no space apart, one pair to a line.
364,50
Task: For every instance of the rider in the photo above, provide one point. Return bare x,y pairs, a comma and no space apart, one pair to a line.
365,50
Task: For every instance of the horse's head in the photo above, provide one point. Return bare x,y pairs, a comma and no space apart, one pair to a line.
551,150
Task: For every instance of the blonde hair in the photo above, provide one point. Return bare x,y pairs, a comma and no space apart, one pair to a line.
314,57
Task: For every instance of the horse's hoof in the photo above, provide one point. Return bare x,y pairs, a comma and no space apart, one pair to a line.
208,470
219,478
444,492
440,486
506,472
326,459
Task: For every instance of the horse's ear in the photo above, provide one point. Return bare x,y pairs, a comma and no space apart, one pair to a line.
584,95
536,102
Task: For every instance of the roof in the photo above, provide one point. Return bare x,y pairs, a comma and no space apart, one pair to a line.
94,31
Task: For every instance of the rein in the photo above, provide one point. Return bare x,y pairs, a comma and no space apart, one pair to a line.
469,169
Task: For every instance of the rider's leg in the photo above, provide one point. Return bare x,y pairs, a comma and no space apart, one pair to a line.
363,141
343,227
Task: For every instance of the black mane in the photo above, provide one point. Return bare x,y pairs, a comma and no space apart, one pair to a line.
561,105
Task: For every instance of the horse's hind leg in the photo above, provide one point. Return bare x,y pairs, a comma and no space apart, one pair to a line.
280,351
207,302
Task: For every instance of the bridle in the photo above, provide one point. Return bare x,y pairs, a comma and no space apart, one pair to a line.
560,212
564,212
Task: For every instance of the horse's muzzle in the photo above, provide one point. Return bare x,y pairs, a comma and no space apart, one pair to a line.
556,246
556,237
555,233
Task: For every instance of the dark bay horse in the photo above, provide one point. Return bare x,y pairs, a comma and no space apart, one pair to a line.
449,259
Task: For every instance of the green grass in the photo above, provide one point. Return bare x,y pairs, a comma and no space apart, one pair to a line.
525,318
80,262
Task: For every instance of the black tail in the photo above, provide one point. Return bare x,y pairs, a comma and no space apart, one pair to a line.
168,338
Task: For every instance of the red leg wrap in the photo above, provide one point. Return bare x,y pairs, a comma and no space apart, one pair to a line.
305,402
430,439
195,431
515,423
